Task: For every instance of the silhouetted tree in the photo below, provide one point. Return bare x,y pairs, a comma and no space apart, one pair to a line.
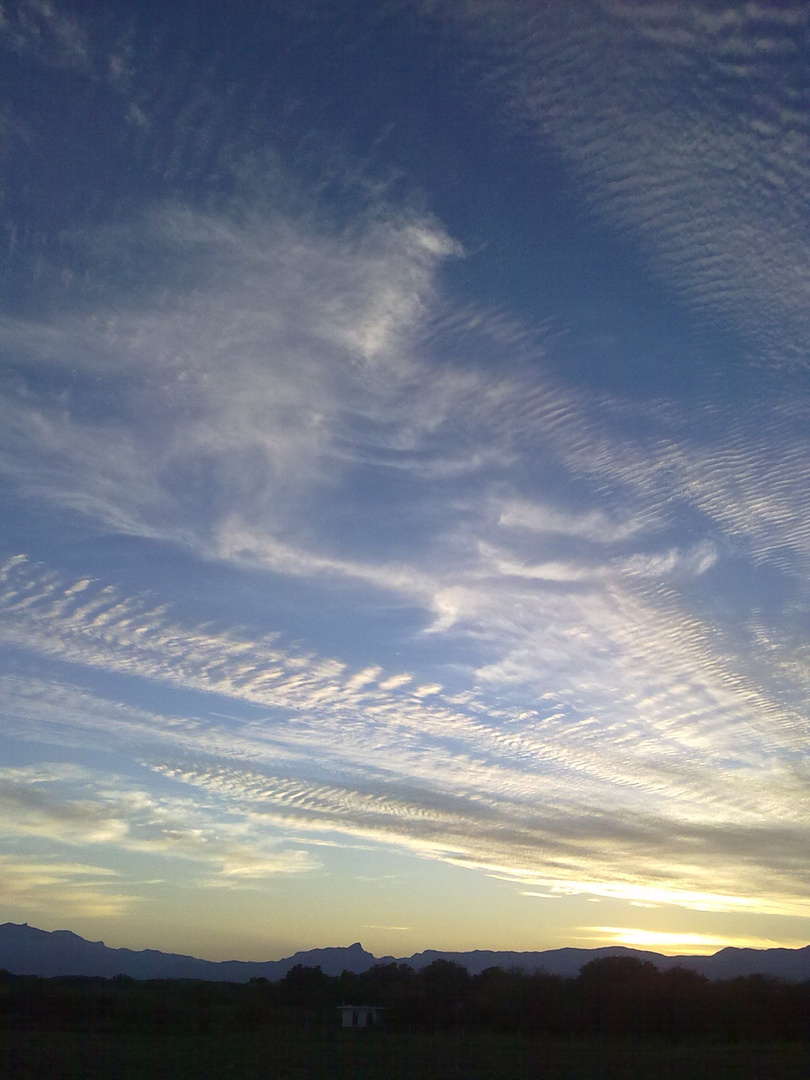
306,986
619,994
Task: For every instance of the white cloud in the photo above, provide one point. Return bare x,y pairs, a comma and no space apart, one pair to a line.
248,387
594,526
687,126
80,807
699,769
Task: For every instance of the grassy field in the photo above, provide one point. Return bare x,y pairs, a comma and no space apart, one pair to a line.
338,1055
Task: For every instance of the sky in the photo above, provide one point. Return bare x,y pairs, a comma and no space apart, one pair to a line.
405,474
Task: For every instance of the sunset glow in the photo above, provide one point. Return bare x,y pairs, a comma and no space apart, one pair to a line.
405,474
678,944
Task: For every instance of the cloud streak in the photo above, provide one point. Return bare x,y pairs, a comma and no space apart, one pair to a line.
467,778
338,550
687,125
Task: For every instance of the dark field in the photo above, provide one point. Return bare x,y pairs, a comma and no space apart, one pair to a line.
618,1020
349,1055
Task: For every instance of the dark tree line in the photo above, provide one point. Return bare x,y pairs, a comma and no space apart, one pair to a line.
613,997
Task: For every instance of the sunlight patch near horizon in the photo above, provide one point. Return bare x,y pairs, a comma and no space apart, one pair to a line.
675,944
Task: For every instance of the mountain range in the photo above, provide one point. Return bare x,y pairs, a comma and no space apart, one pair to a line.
25,950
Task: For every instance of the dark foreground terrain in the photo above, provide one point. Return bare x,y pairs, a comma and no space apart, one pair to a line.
286,1054
620,1019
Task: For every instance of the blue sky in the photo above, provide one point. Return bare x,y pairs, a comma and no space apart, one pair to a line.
404,469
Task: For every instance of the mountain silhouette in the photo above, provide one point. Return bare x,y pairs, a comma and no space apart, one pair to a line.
25,950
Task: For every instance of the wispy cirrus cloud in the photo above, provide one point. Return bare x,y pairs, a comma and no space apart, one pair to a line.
247,388
71,889
375,756
52,35
69,806
598,682
272,376
687,124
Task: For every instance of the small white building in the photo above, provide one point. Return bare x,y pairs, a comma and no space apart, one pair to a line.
361,1016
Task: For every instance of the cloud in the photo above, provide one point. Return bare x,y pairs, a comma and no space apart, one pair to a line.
594,526
274,372
80,807
706,808
245,391
54,37
606,596
686,125
29,808
69,889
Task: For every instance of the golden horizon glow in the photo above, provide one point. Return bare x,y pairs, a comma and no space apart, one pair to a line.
684,944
